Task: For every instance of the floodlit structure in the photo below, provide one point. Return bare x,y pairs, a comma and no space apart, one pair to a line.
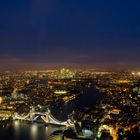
46,117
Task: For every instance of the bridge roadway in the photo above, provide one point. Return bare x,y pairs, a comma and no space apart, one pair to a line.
47,117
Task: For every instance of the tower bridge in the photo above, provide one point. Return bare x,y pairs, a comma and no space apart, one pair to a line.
47,117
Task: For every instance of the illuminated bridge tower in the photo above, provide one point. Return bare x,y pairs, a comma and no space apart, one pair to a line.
32,114
47,117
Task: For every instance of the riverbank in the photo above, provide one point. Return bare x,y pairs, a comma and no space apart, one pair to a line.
19,130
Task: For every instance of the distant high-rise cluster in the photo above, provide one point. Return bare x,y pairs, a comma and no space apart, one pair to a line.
66,74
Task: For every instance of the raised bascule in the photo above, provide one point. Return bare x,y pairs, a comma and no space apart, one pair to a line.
47,117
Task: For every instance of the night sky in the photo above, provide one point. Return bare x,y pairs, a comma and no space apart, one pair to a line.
41,34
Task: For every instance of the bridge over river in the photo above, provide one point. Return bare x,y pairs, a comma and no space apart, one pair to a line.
47,117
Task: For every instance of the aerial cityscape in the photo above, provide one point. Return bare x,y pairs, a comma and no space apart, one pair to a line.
83,104
69,70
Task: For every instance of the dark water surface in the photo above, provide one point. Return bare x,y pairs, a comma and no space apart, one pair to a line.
25,131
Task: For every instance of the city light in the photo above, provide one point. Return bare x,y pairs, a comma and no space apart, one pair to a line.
108,102
1,100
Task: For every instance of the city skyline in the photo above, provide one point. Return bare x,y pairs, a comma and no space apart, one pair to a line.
74,34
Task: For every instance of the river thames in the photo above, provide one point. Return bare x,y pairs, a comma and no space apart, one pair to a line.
38,131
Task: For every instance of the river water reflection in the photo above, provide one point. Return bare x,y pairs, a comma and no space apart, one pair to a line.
26,131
